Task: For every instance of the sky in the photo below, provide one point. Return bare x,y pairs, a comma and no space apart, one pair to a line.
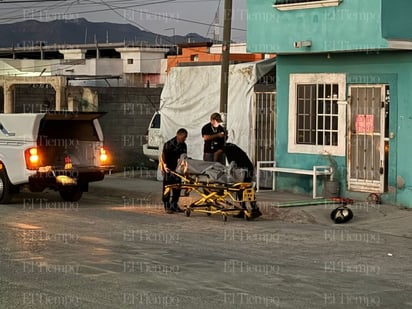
166,17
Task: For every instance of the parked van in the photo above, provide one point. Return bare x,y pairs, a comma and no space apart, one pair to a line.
154,139
62,151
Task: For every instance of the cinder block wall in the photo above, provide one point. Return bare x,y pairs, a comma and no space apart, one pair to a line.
129,111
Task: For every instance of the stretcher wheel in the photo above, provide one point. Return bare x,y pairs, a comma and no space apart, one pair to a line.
208,213
224,218
247,216
187,212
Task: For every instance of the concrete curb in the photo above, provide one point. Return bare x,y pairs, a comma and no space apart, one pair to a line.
378,218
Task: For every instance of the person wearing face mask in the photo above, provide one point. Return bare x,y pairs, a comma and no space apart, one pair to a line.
214,135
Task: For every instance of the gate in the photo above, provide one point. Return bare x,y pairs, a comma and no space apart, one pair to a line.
367,161
265,103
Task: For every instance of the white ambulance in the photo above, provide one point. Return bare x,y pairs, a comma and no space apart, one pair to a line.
59,150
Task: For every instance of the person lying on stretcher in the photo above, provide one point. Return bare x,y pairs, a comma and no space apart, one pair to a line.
240,169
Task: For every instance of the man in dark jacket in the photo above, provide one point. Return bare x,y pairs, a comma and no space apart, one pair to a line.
172,150
235,154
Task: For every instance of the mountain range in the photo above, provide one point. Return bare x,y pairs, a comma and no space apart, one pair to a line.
82,31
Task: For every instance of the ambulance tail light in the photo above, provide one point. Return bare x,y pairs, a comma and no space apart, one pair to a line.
104,157
32,158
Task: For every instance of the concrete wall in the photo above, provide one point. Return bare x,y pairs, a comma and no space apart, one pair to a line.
396,19
392,68
91,67
353,25
32,98
129,111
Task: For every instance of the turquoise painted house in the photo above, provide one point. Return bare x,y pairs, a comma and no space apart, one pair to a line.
344,91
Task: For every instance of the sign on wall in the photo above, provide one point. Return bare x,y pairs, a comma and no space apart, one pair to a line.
364,123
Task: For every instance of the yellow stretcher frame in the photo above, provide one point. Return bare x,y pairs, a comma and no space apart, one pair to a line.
215,197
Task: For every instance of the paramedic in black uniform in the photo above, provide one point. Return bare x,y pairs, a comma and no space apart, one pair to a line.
172,150
214,135
236,154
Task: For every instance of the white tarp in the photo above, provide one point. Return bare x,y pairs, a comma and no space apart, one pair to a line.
191,94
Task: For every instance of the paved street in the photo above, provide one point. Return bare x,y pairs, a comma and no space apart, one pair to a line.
117,248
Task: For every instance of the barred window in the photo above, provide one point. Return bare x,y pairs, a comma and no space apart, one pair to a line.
295,1
317,114
304,4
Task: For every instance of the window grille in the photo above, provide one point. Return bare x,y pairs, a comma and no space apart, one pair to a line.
285,5
317,114
277,2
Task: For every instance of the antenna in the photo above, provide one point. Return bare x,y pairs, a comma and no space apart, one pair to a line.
216,27
85,36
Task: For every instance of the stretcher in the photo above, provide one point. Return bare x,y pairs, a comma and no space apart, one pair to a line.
218,189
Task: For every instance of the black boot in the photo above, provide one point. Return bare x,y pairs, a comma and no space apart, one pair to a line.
168,208
175,207
255,213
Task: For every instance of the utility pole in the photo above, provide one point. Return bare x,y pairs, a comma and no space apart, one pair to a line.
224,81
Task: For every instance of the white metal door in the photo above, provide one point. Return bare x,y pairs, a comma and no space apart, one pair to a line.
366,134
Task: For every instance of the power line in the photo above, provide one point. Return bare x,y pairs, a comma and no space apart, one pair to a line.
110,7
31,11
157,14
90,6
29,1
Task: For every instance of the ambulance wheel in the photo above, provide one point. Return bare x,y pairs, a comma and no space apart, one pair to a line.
71,195
6,188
